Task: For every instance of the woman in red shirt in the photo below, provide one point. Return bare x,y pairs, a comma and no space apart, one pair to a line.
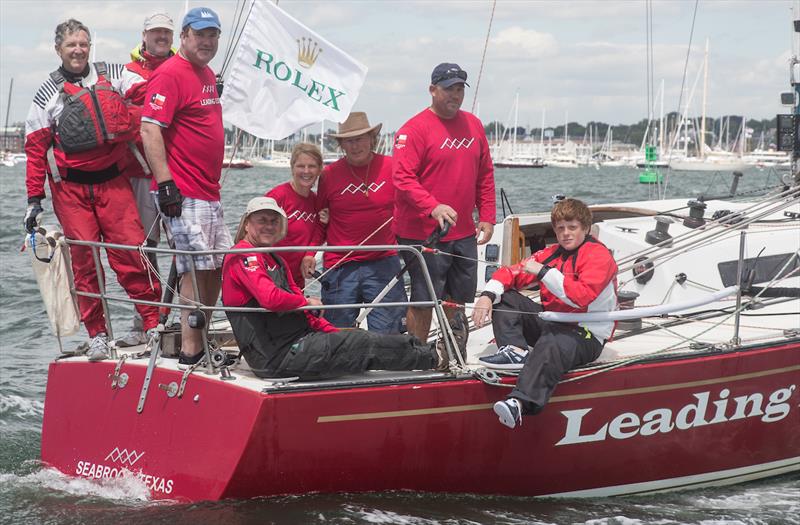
299,202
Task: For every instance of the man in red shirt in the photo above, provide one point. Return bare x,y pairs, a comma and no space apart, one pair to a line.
184,140
442,171
285,342
154,49
358,192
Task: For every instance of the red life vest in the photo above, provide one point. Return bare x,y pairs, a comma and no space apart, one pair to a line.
92,115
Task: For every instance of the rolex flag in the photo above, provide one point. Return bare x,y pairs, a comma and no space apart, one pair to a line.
284,76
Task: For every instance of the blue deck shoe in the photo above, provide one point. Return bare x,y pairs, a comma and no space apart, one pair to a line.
509,411
507,358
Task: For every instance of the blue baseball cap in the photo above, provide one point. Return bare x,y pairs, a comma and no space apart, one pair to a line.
446,75
201,18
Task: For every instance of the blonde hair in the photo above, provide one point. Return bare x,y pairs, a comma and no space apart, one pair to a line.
306,148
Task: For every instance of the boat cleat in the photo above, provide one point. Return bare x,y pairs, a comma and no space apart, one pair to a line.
488,376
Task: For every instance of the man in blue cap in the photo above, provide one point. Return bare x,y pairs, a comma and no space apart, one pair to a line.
182,115
442,172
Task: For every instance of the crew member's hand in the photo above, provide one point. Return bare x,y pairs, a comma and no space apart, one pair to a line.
533,267
324,215
313,301
484,232
308,265
482,311
32,214
169,198
442,213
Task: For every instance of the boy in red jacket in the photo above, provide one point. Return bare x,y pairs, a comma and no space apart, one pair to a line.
576,275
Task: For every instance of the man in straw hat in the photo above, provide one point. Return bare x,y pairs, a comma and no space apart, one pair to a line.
284,342
359,194
442,171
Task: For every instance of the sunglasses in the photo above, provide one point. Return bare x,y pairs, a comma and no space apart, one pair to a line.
451,73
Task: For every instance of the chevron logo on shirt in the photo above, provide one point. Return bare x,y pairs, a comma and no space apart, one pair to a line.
361,188
298,215
457,143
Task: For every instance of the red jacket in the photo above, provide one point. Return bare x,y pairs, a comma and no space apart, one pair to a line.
584,280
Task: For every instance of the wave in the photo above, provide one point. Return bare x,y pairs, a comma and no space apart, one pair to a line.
19,407
124,489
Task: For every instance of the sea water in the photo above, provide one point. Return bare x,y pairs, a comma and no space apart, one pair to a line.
31,493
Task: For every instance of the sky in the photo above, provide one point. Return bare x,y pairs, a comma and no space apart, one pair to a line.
581,59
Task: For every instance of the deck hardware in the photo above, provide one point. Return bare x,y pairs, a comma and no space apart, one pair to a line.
792,215
643,269
225,374
185,378
218,358
736,340
171,389
490,377
154,347
700,346
115,377
697,210
196,398
791,332
660,235
625,229
680,278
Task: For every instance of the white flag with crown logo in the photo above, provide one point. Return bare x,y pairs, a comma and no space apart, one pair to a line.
284,76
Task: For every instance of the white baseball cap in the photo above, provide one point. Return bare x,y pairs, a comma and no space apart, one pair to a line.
158,21
259,204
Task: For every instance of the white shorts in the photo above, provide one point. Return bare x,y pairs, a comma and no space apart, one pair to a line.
200,227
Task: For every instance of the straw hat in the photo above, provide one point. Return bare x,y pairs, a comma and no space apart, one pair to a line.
258,204
355,125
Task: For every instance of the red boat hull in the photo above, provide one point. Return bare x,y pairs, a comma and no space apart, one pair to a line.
662,425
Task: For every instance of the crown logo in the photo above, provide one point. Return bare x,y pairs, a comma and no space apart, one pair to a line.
307,52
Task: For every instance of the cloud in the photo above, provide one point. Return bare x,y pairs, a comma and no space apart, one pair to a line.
516,42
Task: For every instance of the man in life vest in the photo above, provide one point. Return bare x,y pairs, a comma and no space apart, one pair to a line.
184,139
284,342
154,49
77,132
576,275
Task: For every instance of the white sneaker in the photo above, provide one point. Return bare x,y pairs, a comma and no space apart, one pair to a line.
98,348
509,411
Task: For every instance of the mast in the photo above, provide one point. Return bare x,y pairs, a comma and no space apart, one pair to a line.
661,122
8,108
702,142
516,121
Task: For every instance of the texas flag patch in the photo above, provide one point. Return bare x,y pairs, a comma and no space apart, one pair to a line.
251,263
400,141
157,101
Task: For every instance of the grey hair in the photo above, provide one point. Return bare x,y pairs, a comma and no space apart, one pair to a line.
69,27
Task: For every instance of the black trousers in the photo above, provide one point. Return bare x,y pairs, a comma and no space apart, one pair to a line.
324,355
557,348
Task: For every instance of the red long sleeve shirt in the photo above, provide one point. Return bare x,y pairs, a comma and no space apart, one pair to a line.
442,161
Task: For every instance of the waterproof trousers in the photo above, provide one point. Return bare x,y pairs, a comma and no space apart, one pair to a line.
321,355
105,212
556,348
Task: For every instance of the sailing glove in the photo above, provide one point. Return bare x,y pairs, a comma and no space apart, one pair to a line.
169,199
32,214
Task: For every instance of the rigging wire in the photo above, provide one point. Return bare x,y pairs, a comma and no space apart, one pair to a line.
483,58
683,81
236,35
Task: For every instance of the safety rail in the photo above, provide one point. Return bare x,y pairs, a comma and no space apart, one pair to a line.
105,298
